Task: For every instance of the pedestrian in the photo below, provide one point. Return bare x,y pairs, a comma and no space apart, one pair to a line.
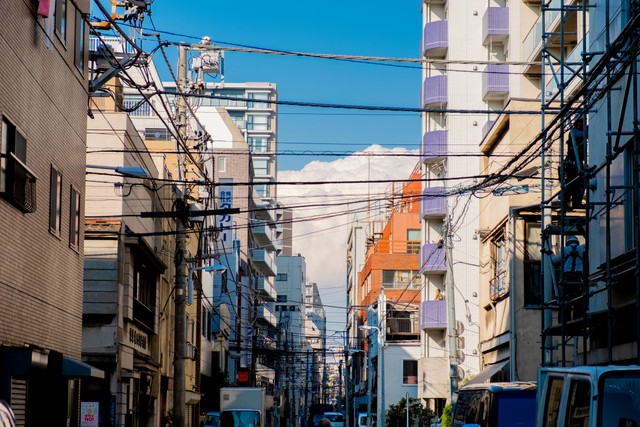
572,260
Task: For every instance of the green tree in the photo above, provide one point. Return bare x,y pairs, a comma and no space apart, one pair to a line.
396,415
447,420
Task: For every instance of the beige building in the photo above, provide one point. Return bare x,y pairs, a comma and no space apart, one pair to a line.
510,253
127,322
43,107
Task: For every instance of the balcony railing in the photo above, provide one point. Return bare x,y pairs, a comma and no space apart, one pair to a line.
495,82
143,315
265,316
435,39
408,326
20,185
263,261
434,204
397,246
266,289
434,145
433,314
263,234
432,258
434,91
495,25
487,127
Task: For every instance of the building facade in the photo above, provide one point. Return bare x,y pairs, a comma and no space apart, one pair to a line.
43,107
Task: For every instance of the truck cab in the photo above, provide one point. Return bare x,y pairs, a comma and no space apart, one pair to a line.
589,396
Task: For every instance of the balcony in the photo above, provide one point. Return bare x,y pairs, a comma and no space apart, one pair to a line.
432,259
434,145
402,327
265,288
434,204
263,234
495,82
265,316
434,91
435,39
20,185
487,127
495,25
433,314
263,262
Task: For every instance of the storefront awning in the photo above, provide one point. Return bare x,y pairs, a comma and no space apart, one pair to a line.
488,372
76,369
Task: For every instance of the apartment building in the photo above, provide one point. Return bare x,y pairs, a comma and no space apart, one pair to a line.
128,273
389,283
43,106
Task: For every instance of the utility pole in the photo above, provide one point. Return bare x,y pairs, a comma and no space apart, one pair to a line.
451,314
179,373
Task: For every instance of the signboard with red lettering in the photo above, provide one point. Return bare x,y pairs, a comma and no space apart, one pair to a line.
89,414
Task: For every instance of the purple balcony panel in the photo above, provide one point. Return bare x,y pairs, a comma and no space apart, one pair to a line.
432,258
434,91
433,314
495,25
435,39
434,203
434,145
487,127
495,82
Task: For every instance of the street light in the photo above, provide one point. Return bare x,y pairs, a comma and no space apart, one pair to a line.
215,267
135,171
381,382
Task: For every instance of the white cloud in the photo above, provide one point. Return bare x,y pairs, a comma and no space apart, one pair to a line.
322,241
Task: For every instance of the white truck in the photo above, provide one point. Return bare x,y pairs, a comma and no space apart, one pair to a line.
243,407
589,396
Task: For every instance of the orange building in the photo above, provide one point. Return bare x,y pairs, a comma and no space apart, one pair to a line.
392,263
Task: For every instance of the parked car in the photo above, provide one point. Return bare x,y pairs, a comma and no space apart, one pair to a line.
335,418
496,405
212,419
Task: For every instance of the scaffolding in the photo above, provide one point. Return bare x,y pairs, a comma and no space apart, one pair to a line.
590,129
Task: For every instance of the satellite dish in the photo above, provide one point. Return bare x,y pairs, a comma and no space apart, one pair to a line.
460,356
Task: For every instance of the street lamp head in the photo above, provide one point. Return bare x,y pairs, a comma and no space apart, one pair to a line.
135,171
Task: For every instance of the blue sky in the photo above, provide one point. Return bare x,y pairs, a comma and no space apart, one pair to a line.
351,27
347,27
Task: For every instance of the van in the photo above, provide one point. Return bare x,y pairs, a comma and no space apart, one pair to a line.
589,396
496,405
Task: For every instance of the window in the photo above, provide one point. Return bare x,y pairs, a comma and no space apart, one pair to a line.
261,166
17,183
61,20
413,241
403,279
409,372
282,298
532,265
258,144
144,284
281,277
554,394
222,164
79,42
580,403
258,122
137,105
157,134
55,201
498,284
74,219
258,96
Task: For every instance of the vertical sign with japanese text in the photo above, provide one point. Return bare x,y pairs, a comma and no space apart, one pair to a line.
225,222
